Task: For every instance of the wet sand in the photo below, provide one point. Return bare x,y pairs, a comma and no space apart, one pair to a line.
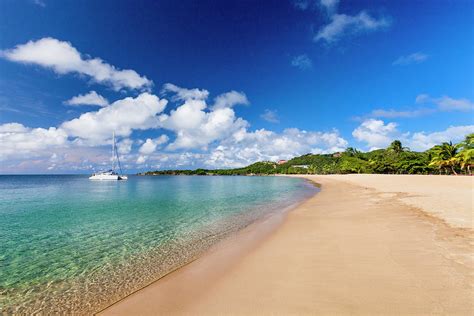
360,246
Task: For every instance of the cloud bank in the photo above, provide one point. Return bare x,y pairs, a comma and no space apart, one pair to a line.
201,134
196,131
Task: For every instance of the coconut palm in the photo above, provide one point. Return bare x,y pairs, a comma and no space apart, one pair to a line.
466,159
468,142
396,147
444,156
440,163
312,169
465,156
351,151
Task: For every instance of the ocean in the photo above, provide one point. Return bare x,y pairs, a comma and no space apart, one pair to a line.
71,245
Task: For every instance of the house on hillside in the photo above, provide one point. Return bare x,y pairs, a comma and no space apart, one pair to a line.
301,166
281,161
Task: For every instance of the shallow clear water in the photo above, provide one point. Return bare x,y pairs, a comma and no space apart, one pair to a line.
68,244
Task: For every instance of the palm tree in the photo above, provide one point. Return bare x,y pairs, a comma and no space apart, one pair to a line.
468,142
351,151
438,161
466,159
465,156
396,147
444,156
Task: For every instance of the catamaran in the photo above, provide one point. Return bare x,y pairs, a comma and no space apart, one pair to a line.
111,174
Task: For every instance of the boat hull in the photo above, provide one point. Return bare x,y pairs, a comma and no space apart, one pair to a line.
107,177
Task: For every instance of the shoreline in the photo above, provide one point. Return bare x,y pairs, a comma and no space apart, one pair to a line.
232,247
349,249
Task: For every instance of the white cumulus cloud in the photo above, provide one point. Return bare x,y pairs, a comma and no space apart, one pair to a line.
120,117
183,93
63,58
375,133
18,141
124,146
91,98
150,145
195,125
270,116
229,99
141,160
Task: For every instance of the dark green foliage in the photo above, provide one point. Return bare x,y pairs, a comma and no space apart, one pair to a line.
413,163
354,165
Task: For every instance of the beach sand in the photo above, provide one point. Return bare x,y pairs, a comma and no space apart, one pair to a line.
366,244
446,197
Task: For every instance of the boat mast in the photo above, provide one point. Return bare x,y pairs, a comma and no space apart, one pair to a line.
113,151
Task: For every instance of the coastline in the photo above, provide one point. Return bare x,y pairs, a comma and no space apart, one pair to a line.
215,261
350,249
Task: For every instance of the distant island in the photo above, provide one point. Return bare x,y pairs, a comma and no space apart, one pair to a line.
446,158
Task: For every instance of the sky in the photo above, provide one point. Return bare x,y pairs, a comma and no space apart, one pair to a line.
222,84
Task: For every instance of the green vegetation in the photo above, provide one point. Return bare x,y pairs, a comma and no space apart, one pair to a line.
446,158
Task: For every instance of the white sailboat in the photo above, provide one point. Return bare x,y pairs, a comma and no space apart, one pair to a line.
111,175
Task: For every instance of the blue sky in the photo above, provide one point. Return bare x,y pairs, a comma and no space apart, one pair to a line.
222,84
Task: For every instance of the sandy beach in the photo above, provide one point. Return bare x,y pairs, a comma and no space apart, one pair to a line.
365,245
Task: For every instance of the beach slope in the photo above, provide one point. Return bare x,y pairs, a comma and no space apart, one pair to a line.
365,244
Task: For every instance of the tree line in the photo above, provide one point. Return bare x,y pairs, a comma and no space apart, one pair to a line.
445,158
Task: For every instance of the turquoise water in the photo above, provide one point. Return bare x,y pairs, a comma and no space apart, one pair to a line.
68,244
